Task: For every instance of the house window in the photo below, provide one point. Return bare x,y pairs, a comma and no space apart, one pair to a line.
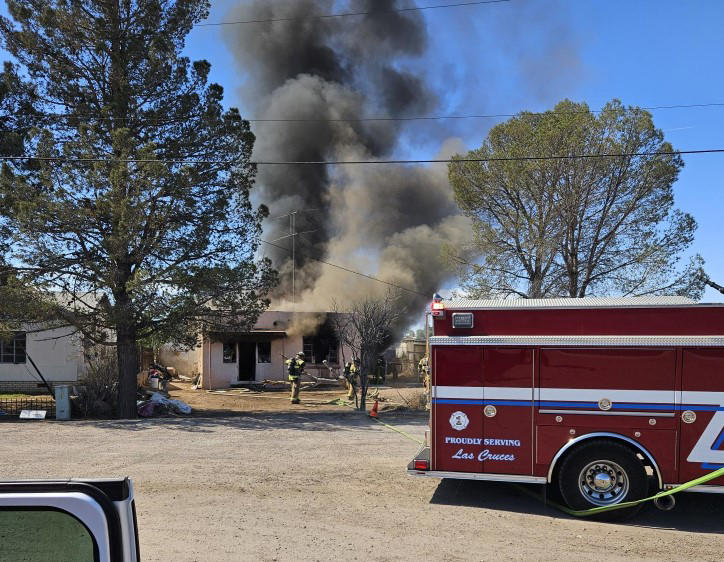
12,350
321,347
229,353
308,349
263,352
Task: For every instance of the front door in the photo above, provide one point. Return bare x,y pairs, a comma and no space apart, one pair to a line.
247,361
508,376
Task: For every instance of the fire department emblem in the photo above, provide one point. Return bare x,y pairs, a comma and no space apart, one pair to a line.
459,420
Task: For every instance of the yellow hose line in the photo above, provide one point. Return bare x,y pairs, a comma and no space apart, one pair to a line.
393,428
341,402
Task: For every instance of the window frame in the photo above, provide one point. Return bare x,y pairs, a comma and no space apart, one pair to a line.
259,355
234,353
312,344
86,500
18,336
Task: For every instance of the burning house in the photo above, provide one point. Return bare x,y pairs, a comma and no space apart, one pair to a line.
227,358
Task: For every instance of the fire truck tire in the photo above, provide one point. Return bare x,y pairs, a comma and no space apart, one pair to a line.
602,473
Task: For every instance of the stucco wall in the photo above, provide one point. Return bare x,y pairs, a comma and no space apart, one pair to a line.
58,354
186,362
218,374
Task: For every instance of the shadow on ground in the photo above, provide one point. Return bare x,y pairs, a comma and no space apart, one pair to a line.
304,421
694,512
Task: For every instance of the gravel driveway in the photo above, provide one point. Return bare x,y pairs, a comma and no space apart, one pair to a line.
330,485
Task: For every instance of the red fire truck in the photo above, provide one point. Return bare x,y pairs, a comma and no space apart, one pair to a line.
595,396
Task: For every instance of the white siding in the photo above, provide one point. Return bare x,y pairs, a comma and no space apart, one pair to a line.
58,354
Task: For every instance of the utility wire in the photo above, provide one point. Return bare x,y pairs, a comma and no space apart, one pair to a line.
347,162
481,115
168,120
351,271
347,14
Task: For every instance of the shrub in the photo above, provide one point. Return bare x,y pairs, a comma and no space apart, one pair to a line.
97,393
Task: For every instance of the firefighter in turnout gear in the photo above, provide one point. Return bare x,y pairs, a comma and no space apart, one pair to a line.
295,368
423,372
350,378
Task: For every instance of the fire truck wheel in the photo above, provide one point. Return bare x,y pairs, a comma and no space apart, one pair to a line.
602,473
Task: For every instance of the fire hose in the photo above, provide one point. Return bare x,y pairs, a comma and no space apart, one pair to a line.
656,498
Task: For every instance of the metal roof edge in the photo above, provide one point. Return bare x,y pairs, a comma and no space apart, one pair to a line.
582,340
586,303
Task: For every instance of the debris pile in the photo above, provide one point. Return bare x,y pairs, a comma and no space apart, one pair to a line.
158,405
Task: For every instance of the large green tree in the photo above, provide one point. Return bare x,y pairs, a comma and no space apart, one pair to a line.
136,221
16,117
566,225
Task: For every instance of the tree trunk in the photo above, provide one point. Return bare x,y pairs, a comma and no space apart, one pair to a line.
127,352
364,379
363,384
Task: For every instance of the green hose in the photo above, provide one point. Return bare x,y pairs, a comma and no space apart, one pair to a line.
662,494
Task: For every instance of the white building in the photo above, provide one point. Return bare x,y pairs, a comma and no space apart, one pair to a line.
57,352
226,358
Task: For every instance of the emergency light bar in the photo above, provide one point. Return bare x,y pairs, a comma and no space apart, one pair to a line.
437,307
462,320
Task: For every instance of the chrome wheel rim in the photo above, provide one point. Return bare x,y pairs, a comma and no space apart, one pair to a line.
603,483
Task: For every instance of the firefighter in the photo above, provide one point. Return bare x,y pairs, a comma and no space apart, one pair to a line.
350,375
423,371
380,371
295,368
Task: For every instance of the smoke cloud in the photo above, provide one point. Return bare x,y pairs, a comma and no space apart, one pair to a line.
391,221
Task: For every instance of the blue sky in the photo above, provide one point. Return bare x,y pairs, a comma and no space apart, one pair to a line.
529,54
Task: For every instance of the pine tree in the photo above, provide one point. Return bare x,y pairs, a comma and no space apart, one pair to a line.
136,222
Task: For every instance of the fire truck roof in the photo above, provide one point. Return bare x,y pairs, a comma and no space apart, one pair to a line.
587,302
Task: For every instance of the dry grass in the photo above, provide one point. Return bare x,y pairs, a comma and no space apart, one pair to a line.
415,400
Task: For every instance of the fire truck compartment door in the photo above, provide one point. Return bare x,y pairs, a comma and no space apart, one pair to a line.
508,377
457,414
702,414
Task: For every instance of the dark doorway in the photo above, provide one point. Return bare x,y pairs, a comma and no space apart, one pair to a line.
247,361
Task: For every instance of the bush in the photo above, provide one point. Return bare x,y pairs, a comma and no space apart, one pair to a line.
97,393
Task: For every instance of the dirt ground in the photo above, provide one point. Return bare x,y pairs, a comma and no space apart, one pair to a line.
325,484
235,400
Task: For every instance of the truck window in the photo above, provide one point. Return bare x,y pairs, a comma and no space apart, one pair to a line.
44,534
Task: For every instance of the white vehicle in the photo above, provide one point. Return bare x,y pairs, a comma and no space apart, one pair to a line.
68,521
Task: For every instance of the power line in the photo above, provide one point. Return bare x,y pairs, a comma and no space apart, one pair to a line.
495,158
359,162
292,212
351,271
347,14
481,115
163,121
